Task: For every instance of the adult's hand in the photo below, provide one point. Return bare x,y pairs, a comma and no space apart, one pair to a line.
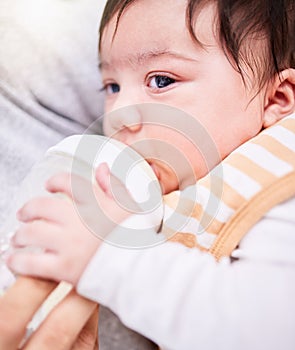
71,325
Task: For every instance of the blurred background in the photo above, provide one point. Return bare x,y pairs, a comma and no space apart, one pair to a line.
49,80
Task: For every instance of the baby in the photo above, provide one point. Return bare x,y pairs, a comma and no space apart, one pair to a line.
187,83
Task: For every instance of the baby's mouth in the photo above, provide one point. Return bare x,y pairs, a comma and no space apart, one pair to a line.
154,168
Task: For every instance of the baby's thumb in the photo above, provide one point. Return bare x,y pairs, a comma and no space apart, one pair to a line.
114,188
103,178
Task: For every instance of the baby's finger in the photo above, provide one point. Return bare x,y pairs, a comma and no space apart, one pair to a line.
73,186
45,208
102,176
60,183
42,265
114,188
39,234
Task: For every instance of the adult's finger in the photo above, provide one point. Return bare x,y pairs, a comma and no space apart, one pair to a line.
17,307
88,337
63,325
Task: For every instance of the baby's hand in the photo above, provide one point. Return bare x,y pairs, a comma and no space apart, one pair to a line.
67,228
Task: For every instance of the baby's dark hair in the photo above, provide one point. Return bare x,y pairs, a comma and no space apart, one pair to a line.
241,25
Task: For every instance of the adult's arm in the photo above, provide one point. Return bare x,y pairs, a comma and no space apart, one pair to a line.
71,325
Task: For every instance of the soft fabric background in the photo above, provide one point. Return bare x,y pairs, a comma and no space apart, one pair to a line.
50,88
49,81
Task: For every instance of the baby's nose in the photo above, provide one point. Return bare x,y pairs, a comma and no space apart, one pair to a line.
126,118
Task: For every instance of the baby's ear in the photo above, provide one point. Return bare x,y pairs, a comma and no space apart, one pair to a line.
280,97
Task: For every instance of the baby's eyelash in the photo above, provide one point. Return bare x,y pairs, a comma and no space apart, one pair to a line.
114,86
160,81
163,80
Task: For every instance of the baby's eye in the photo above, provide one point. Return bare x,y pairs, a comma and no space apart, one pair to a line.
160,81
111,88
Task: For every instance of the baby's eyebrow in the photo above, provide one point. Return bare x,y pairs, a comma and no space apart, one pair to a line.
142,58
153,54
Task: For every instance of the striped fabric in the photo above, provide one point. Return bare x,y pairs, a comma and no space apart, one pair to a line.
196,215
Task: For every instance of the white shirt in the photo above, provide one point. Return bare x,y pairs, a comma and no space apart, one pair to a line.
183,299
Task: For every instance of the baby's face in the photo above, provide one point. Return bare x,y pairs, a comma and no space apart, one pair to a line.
153,60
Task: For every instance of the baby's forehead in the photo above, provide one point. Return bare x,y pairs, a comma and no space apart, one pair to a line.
197,14
139,22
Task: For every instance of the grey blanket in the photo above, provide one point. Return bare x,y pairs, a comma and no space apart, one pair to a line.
49,81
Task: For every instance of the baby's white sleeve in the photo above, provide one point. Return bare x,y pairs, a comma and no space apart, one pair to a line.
182,299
